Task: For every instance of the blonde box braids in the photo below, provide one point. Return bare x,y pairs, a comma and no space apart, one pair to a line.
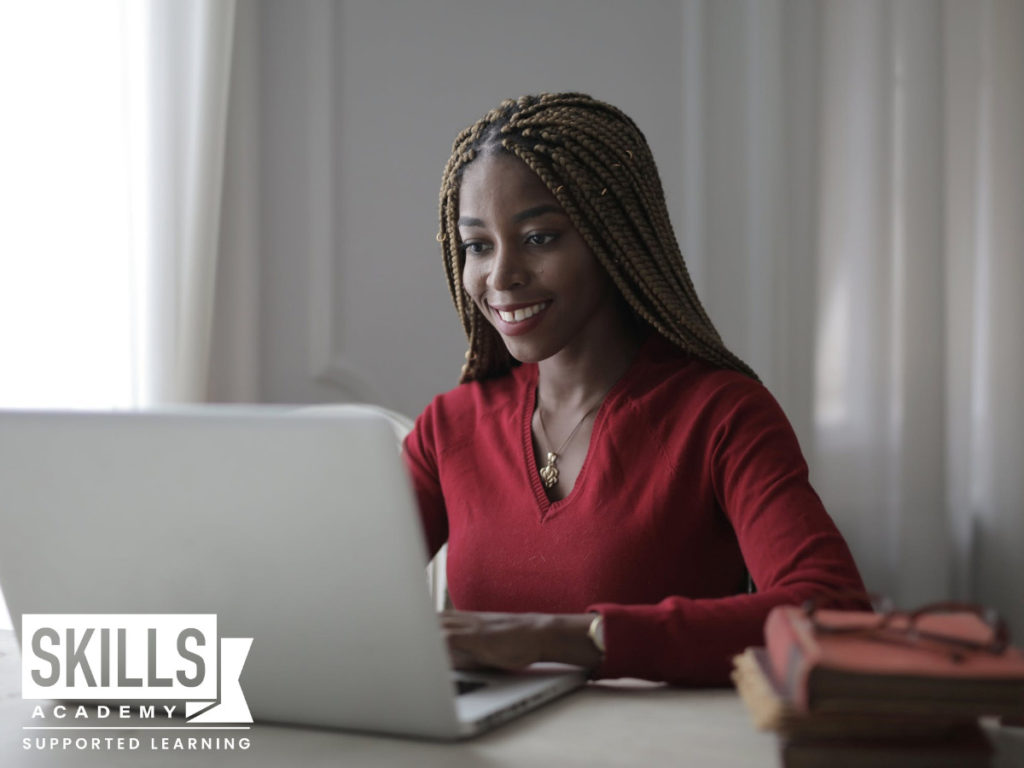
596,162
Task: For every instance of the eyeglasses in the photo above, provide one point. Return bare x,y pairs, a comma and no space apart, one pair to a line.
990,635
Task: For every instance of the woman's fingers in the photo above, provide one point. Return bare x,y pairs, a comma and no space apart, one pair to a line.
502,640
462,660
459,621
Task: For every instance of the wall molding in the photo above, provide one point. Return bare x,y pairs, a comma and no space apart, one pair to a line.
327,364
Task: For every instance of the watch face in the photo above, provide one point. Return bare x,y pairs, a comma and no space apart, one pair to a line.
596,632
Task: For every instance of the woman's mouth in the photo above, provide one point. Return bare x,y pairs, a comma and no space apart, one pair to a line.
519,320
523,313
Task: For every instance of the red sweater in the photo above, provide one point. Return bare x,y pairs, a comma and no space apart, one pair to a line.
691,471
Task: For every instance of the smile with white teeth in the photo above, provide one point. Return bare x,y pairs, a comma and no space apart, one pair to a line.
523,313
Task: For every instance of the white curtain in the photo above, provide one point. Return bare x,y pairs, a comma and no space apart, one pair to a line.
109,269
854,201
181,103
234,356
984,232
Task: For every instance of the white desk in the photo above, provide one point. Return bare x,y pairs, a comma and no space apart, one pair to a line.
623,723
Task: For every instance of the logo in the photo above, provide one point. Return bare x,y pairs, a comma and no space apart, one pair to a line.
132,659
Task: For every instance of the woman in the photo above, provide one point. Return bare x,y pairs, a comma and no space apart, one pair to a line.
607,472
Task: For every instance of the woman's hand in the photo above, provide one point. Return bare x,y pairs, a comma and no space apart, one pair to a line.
516,640
501,640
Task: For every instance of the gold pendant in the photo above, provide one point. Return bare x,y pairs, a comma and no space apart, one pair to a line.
549,472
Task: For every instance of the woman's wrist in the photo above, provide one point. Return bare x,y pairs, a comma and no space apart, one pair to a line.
566,638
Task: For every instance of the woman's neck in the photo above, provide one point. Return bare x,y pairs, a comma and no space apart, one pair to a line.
577,378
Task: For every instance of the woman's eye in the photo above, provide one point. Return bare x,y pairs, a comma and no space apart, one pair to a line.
473,247
540,238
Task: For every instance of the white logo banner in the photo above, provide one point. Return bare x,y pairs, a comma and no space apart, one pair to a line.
131,657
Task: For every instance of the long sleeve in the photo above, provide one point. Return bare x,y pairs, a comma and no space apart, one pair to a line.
693,475
420,455
793,550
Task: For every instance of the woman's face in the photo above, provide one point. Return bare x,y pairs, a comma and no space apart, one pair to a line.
527,268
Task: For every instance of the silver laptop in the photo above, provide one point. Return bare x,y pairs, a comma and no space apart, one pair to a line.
298,532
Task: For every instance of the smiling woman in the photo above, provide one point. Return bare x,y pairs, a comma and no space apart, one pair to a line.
529,271
607,473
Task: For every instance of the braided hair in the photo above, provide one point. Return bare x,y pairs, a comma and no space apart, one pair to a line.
596,162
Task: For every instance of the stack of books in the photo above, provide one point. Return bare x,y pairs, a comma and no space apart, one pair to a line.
853,688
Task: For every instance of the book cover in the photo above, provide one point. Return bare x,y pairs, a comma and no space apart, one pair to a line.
966,748
858,669
854,739
771,710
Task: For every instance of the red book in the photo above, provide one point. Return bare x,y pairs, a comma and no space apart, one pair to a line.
855,668
965,747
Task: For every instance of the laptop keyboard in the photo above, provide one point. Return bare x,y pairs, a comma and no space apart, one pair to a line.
467,686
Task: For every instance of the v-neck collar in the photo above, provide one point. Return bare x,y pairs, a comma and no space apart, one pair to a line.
545,506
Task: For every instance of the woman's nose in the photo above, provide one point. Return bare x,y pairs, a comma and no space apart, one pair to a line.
508,269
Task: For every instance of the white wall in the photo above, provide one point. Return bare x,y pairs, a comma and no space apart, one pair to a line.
750,107
359,102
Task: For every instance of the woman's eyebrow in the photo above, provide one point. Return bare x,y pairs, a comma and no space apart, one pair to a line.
529,213
538,210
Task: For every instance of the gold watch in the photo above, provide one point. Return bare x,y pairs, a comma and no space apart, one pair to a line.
596,632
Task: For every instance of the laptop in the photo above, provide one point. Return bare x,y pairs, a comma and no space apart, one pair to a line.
298,532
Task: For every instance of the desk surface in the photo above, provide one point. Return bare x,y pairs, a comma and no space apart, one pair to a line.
613,723
620,723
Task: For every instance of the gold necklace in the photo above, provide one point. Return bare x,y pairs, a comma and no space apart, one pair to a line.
549,472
